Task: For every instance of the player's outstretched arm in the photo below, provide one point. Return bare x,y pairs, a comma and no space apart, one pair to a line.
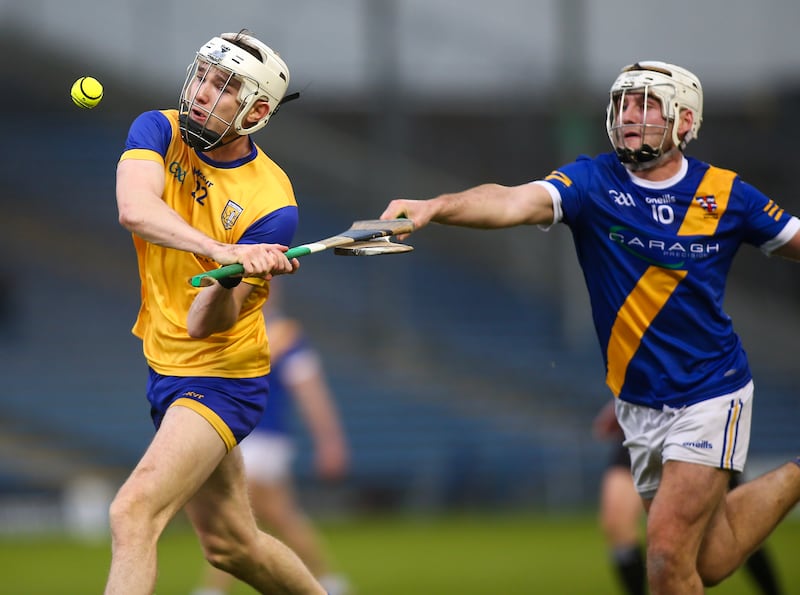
488,206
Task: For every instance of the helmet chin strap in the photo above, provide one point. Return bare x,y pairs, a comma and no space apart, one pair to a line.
199,137
642,159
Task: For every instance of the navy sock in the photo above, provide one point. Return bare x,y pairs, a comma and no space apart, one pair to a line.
630,566
759,566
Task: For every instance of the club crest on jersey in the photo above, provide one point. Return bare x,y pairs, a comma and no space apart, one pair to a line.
708,204
230,214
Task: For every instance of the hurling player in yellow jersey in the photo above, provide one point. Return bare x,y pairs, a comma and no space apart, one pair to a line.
196,192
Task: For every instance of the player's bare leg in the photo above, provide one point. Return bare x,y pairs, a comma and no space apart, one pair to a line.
182,454
275,509
696,534
221,515
621,508
678,516
747,516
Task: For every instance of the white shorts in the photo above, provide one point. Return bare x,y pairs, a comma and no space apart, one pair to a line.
715,433
267,456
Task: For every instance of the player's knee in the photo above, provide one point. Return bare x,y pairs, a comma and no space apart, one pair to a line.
664,562
116,517
127,514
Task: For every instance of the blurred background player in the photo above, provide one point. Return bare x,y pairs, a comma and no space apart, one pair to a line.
296,378
621,514
621,508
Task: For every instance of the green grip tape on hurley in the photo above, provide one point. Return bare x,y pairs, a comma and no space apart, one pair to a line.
229,270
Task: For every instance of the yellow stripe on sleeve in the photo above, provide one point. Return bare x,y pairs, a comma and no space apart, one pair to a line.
146,154
775,212
560,176
215,420
634,318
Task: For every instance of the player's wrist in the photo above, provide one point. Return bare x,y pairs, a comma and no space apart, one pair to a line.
218,251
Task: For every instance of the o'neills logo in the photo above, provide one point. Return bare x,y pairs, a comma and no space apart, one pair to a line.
704,444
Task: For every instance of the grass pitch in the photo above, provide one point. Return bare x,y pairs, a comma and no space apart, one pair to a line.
465,554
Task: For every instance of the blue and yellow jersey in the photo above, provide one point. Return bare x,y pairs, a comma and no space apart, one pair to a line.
246,201
655,256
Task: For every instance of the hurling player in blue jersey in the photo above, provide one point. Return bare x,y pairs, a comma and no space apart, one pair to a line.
196,192
655,232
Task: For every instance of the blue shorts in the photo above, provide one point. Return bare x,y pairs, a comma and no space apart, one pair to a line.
232,406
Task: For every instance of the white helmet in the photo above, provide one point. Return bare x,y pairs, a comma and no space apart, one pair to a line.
261,73
676,89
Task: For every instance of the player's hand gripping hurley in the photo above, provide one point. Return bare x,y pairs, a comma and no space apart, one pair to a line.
363,238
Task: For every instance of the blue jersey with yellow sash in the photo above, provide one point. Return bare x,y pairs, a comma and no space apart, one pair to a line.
655,256
246,201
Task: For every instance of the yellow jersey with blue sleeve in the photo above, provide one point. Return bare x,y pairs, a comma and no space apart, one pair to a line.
246,201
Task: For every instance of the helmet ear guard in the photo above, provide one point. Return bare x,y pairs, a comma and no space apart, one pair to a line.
262,76
677,90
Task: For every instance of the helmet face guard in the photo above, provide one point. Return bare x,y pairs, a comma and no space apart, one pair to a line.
219,64
214,128
675,88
